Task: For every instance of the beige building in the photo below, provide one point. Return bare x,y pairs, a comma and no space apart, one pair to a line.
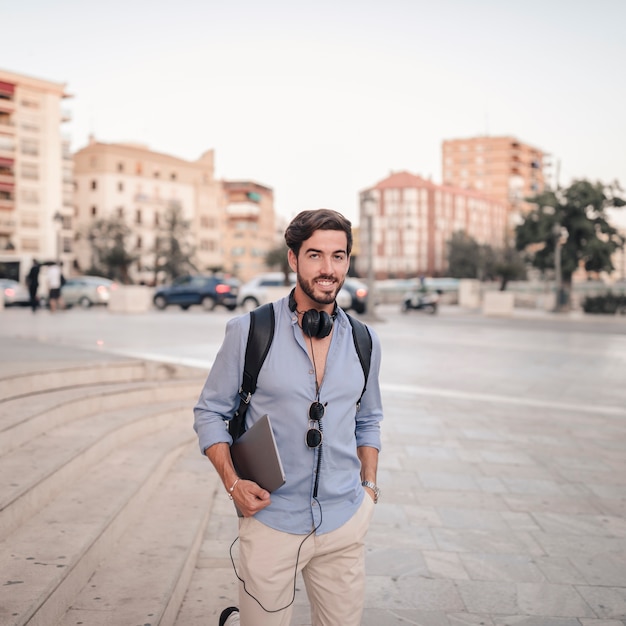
500,167
413,219
138,185
249,232
36,212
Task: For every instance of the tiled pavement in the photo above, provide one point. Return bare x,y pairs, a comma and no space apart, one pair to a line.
503,470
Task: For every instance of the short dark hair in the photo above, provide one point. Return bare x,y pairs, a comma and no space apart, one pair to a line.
306,223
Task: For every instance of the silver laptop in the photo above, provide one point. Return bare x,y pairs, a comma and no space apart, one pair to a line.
256,457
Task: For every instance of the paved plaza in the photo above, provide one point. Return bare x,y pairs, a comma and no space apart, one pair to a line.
503,470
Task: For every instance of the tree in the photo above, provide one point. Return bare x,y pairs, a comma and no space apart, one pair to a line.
173,250
277,257
571,225
464,256
509,265
469,259
110,253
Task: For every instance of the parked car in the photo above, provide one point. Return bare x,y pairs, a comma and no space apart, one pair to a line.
208,291
14,293
267,287
87,291
262,288
357,295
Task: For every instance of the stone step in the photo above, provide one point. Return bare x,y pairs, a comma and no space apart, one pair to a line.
145,579
22,420
51,556
58,376
33,382
36,472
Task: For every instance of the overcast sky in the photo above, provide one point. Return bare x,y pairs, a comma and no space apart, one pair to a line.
319,100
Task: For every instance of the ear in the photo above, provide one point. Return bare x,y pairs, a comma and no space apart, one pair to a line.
293,260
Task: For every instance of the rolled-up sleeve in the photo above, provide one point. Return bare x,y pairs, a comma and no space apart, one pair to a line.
219,397
370,414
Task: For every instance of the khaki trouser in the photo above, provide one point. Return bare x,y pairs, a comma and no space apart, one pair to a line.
332,565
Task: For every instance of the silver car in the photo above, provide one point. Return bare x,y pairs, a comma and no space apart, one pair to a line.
86,291
13,293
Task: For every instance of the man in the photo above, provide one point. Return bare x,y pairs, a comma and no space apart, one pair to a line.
32,280
309,385
54,286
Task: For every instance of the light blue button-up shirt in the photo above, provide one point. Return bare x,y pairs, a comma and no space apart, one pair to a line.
285,390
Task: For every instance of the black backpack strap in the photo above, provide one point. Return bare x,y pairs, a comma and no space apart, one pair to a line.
259,341
363,345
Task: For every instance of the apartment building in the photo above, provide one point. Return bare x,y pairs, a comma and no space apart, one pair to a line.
413,219
139,186
503,168
250,231
36,209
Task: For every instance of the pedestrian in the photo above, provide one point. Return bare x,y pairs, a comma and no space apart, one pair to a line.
310,385
55,280
32,281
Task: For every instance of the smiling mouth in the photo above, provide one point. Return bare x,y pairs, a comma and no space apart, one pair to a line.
325,283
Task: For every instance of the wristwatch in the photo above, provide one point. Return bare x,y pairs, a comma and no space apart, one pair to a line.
374,488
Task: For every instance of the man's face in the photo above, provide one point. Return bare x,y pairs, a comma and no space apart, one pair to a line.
322,265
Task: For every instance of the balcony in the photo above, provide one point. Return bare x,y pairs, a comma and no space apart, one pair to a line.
7,204
7,105
242,210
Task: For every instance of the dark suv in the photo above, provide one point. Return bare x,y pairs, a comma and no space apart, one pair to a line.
208,291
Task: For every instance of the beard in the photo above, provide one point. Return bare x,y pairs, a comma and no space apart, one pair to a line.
322,298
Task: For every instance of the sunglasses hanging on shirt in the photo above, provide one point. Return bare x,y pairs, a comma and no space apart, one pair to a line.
314,434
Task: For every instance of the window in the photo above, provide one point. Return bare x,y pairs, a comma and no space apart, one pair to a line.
156,219
29,171
32,245
94,211
29,147
120,167
138,216
30,103
120,212
173,176
138,245
94,184
30,127
120,186
30,196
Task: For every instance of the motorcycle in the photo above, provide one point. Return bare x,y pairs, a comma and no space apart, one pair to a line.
420,301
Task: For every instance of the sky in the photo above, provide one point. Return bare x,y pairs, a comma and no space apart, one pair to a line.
319,100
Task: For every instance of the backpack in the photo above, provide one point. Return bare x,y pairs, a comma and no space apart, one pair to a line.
260,339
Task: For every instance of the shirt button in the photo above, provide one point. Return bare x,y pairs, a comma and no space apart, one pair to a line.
311,371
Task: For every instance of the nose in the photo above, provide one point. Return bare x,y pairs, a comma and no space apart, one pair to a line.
327,265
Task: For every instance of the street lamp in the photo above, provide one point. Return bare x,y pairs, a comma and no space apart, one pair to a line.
560,235
368,209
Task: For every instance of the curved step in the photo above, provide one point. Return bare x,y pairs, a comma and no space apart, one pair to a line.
34,382
49,558
22,421
34,474
154,560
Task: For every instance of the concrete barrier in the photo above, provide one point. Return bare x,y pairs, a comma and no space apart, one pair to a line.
131,299
498,303
469,293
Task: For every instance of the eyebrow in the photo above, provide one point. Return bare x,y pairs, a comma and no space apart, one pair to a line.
340,251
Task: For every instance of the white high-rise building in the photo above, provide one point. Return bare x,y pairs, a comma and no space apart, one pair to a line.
36,174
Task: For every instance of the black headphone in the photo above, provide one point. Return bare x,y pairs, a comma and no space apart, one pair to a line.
314,323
